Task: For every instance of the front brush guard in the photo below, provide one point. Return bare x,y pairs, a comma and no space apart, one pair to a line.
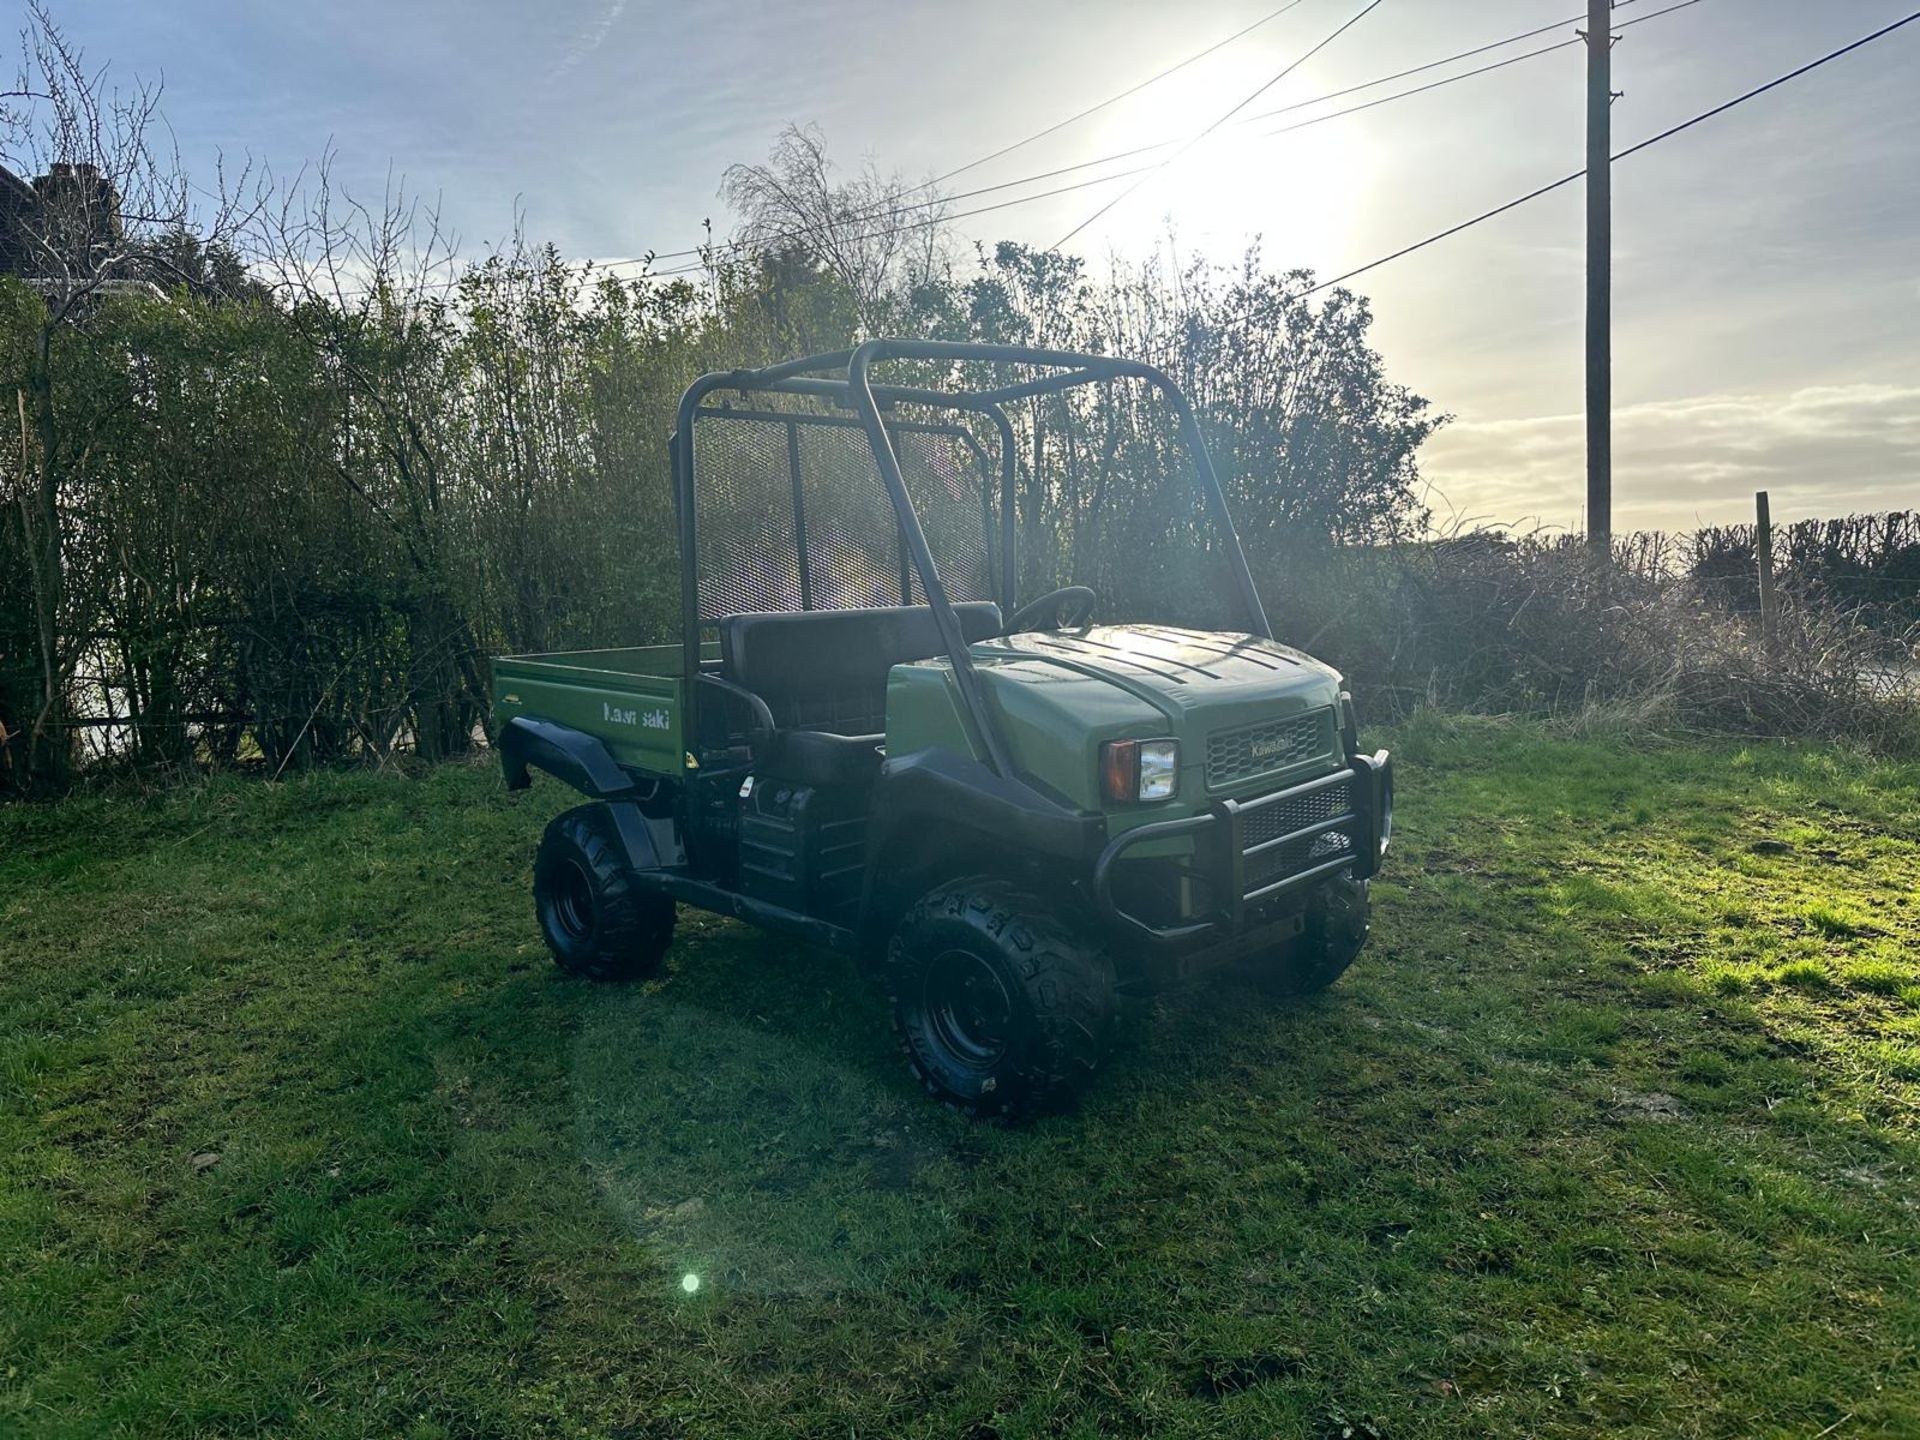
1223,850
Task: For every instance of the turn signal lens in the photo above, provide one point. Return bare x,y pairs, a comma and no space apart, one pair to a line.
1139,769
1159,768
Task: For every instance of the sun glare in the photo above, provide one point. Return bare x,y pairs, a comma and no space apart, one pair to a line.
1297,191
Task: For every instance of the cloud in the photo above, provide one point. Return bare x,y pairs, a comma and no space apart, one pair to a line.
1818,451
588,40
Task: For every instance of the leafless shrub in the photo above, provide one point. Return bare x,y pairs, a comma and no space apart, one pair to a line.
878,235
1532,624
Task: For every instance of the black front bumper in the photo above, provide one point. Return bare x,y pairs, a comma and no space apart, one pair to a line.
1251,854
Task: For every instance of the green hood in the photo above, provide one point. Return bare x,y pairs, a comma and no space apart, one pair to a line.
1250,714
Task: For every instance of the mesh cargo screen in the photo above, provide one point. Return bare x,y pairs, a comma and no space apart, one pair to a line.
748,548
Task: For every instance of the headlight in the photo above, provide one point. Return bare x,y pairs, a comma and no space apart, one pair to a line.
1159,768
1133,770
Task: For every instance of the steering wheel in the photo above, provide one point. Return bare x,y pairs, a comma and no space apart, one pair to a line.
1070,607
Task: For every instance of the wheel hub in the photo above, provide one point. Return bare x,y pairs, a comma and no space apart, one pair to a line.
573,900
968,1009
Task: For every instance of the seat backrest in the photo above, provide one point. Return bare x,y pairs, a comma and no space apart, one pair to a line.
827,669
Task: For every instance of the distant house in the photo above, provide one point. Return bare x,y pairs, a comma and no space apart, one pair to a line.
74,212
17,205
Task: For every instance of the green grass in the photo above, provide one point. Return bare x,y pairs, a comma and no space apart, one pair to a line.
1614,1130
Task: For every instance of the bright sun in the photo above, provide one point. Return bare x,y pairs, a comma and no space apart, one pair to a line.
1297,191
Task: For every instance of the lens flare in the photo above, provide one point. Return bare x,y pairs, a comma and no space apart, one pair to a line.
689,1282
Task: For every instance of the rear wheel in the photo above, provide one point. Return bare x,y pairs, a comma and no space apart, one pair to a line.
1000,1009
598,922
1333,933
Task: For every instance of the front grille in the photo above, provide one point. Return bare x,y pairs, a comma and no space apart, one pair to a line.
1285,816
1249,750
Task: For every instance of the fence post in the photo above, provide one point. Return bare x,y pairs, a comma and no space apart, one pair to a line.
1763,554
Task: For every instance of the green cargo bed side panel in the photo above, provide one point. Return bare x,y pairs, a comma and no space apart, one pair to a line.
633,700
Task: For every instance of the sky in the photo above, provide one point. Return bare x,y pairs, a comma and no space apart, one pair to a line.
1766,264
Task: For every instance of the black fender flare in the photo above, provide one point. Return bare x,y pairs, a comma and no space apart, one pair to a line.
651,842
939,791
573,756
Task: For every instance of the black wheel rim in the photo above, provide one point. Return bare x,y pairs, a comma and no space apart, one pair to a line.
968,1009
573,900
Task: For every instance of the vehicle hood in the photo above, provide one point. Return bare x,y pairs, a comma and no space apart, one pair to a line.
1174,671
1059,695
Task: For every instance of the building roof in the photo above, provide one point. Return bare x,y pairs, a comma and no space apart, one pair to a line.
16,188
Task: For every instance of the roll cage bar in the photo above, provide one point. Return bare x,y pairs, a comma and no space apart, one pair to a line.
808,376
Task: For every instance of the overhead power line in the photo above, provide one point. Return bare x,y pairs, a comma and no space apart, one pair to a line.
1430,85
699,254
1139,150
1250,119
1666,134
1147,169
1131,90
1041,134
1463,55
1309,103
1271,15
1278,76
1546,189
1117,175
1436,64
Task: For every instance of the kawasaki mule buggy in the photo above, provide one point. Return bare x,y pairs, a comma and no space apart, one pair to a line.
865,739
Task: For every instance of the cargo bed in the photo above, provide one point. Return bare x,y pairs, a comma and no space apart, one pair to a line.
631,699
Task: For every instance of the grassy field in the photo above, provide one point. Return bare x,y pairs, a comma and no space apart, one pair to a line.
1615,1130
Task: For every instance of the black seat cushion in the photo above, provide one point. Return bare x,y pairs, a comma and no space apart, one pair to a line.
827,669
815,757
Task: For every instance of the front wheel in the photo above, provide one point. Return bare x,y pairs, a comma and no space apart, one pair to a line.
1000,1009
598,922
1333,932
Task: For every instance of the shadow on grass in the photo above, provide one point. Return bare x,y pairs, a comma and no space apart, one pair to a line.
754,1160
751,1122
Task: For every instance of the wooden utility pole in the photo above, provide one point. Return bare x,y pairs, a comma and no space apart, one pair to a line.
1763,554
1599,276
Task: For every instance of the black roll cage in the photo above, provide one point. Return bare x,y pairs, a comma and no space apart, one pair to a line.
808,376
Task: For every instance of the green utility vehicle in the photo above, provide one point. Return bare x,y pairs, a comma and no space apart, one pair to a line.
1014,814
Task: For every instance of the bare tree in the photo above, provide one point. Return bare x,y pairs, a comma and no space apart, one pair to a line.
370,288
879,235
105,191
